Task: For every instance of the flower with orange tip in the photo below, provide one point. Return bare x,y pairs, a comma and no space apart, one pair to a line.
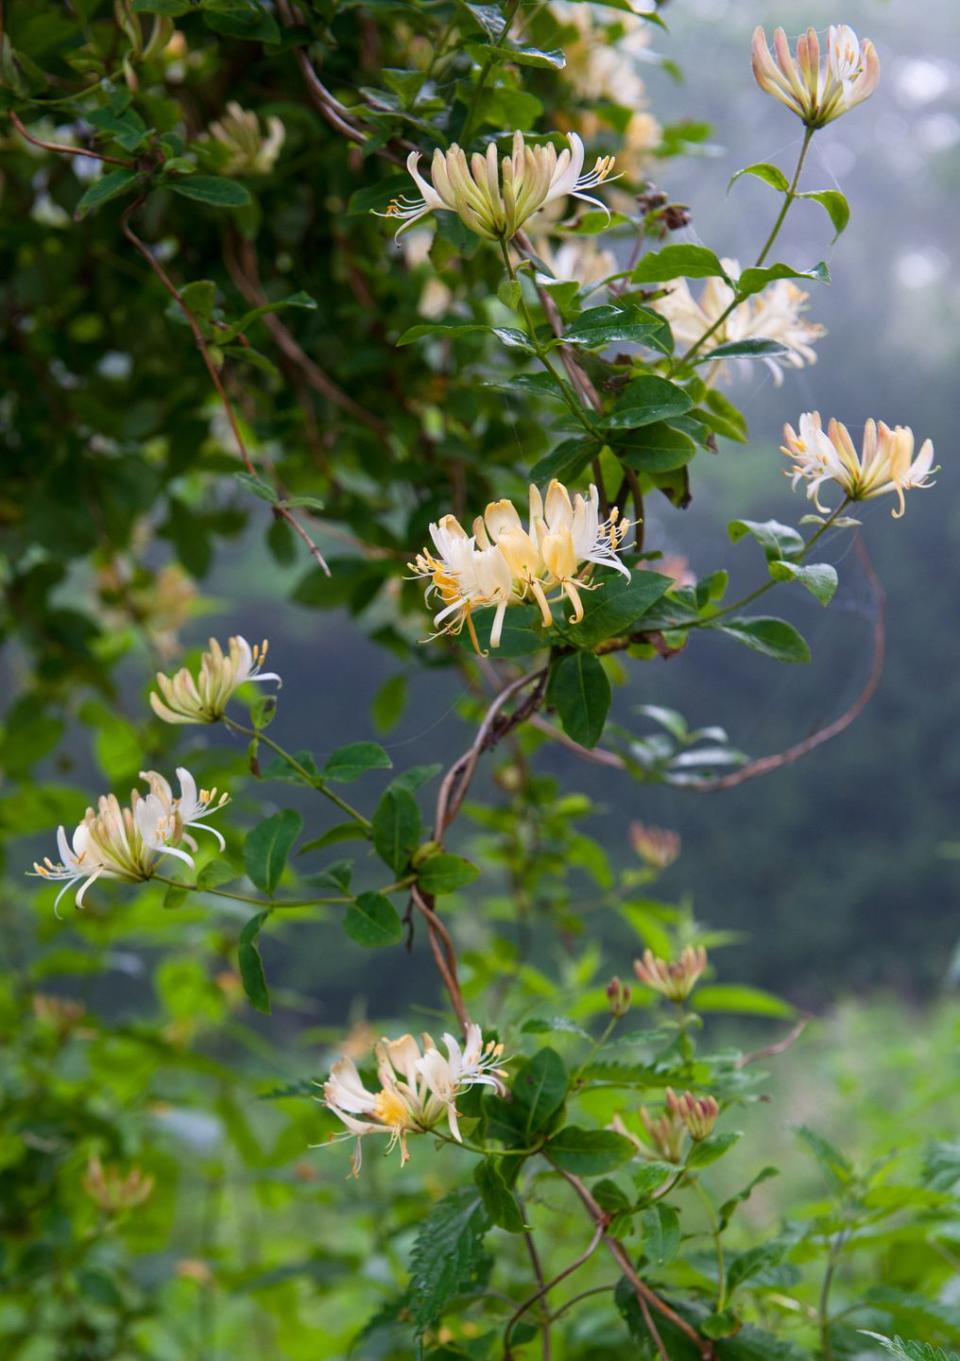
673,979
698,1113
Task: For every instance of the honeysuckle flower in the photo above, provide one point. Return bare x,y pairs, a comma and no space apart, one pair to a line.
775,314
113,1191
602,64
204,699
501,563
495,198
673,979
699,1114
817,93
885,465
657,847
418,1089
114,842
666,1133
249,151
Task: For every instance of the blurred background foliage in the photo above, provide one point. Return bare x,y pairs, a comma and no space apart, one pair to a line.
127,539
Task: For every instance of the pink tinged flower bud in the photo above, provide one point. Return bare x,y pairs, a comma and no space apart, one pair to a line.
619,997
666,1133
817,86
698,1114
674,979
657,847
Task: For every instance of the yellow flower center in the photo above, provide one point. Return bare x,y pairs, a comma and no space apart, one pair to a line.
391,1109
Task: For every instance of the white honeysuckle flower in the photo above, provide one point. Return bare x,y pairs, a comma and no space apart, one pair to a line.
494,198
204,699
774,314
250,152
117,842
503,564
817,92
577,260
885,465
417,1089
601,65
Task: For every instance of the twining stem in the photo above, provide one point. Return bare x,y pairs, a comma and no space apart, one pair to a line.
569,396
715,1234
548,1286
509,15
312,780
266,903
768,585
61,148
788,199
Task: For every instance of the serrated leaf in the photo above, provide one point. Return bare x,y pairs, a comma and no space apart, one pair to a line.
107,187
580,693
446,873
214,190
251,965
834,1164
350,762
258,486
836,205
266,848
396,827
772,637
587,1152
447,1254
373,921
909,1350
676,262
819,578
499,1201
763,170
707,1151
661,1233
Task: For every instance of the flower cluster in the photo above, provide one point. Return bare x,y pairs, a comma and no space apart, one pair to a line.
495,200
501,563
657,847
114,842
183,699
673,979
417,1089
697,1113
775,314
248,150
886,463
114,1192
817,93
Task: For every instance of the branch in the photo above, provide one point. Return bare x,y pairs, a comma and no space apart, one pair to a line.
548,1286
143,249
780,1047
444,954
62,148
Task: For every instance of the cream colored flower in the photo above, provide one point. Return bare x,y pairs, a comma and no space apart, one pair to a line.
657,847
886,463
775,314
673,979
503,564
602,59
186,700
578,260
417,1090
496,199
126,843
112,1191
817,93
249,151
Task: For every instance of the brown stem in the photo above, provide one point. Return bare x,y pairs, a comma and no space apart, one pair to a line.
444,955
582,384
61,148
548,1286
780,1047
642,1291
141,247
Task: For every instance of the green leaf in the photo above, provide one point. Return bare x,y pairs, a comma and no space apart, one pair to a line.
617,605
258,486
447,1254
522,632
742,349
539,1090
914,1310
567,461
580,692
777,540
676,262
251,965
941,1165
172,9
726,418
127,127
612,324
436,328
645,400
835,1165
838,209
108,186
213,190
248,20
372,920
376,197
349,762
707,1151
742,1000
389,702
661,1233
819,578
656,448
770,174
446,873
773,637
909,1350
552,60
750,1263
587,1152
266,848
498,1200
396,828
754,280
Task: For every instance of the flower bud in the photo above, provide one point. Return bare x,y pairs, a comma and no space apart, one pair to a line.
656,847
673,979
698,1114
113,1191
666,1133
619,996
